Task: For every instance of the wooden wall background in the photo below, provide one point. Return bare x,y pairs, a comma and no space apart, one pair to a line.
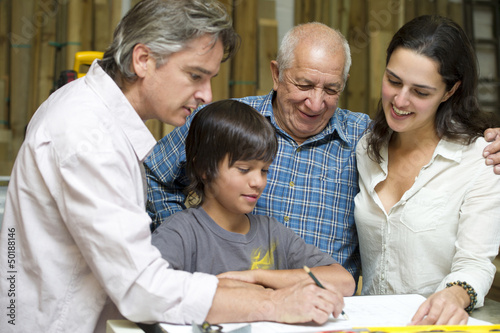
38,39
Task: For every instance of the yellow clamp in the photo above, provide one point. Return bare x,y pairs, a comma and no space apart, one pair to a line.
84,59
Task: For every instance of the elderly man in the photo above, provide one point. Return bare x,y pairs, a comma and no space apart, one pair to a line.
76,236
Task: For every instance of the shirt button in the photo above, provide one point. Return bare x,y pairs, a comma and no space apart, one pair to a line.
292,184
286,218
299,150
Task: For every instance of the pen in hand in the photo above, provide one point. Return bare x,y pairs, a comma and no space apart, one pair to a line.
308,271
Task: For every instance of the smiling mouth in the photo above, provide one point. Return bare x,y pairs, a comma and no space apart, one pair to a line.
309,116
400,112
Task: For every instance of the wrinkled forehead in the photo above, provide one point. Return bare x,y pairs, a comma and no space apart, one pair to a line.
318,65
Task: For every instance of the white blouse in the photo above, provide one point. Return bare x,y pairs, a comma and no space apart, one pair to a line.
445,228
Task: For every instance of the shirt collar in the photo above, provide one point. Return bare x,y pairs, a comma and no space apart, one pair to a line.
334,125
125,115
449,150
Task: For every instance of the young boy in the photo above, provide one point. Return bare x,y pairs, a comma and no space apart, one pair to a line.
229,150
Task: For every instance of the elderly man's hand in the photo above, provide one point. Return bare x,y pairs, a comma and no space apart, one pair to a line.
492,151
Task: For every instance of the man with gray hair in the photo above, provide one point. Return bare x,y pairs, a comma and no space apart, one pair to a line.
75,243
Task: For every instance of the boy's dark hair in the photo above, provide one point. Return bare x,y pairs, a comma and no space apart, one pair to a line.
223,128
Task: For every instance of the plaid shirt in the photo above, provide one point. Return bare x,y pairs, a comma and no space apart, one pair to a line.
311,187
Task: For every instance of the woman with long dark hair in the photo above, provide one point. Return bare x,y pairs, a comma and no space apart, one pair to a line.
428,207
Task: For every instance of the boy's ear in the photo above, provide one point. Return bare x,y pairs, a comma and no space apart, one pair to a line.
203,175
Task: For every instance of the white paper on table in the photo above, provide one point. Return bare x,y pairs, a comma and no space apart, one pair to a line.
362,311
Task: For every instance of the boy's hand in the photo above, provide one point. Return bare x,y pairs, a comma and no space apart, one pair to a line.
244,276
305,302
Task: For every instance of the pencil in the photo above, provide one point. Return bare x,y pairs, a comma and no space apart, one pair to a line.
308,271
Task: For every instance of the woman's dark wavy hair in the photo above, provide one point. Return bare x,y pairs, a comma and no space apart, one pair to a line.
223,128
445,42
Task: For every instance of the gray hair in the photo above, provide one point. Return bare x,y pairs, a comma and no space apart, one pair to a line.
316,33
165,27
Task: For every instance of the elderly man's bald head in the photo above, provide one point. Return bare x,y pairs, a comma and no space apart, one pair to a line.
312,35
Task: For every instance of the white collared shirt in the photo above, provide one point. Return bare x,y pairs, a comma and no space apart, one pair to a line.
445,228
75,209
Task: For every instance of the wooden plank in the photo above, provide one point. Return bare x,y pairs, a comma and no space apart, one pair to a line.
5,135
313,11
378,48
4,116
34,67
5,10
426,7
167,128
60,62
74,32
343,14
302,11
43,54
401,10
5,13
6,156
323,12
23,31
268,50
46,73
355,95
339,19
115,16
494,292
155,127
383,21
441,7
266,9
244,64
455,12
220,84
102,35
410,10
336,16
87,37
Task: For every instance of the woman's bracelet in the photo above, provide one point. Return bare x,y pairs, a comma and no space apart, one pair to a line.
470,291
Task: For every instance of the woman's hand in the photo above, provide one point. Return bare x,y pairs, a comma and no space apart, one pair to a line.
446,307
